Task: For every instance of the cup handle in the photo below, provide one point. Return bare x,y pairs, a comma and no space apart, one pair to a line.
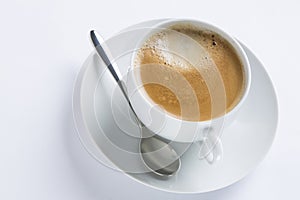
211,150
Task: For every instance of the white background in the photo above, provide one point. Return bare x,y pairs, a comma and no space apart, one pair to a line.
44,43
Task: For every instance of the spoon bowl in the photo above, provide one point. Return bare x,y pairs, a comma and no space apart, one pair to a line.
159,157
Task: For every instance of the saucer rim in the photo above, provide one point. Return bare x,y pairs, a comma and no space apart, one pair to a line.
76,92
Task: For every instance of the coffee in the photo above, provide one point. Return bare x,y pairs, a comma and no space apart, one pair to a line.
178,86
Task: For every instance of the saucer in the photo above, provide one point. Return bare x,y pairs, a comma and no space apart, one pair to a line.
110,136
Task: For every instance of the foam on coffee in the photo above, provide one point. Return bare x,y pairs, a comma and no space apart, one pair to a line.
174,83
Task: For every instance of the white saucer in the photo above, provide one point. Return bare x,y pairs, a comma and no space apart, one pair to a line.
245,142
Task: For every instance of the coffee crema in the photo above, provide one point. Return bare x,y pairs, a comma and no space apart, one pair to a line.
178,85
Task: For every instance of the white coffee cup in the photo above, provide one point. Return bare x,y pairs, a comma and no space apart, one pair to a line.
205,133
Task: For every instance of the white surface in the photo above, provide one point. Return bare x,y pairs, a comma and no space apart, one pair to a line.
42,46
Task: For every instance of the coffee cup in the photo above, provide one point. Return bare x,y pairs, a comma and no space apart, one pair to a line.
186,53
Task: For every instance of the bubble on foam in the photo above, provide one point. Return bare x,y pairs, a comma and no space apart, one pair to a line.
160,45
180,51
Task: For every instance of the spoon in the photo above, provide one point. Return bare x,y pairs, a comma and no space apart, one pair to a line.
157,155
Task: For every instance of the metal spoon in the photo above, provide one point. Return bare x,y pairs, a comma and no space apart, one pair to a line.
157,155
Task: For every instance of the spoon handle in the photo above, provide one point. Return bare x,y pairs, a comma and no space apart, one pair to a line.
95,37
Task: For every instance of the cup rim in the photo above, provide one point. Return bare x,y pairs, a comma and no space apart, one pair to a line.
230,39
